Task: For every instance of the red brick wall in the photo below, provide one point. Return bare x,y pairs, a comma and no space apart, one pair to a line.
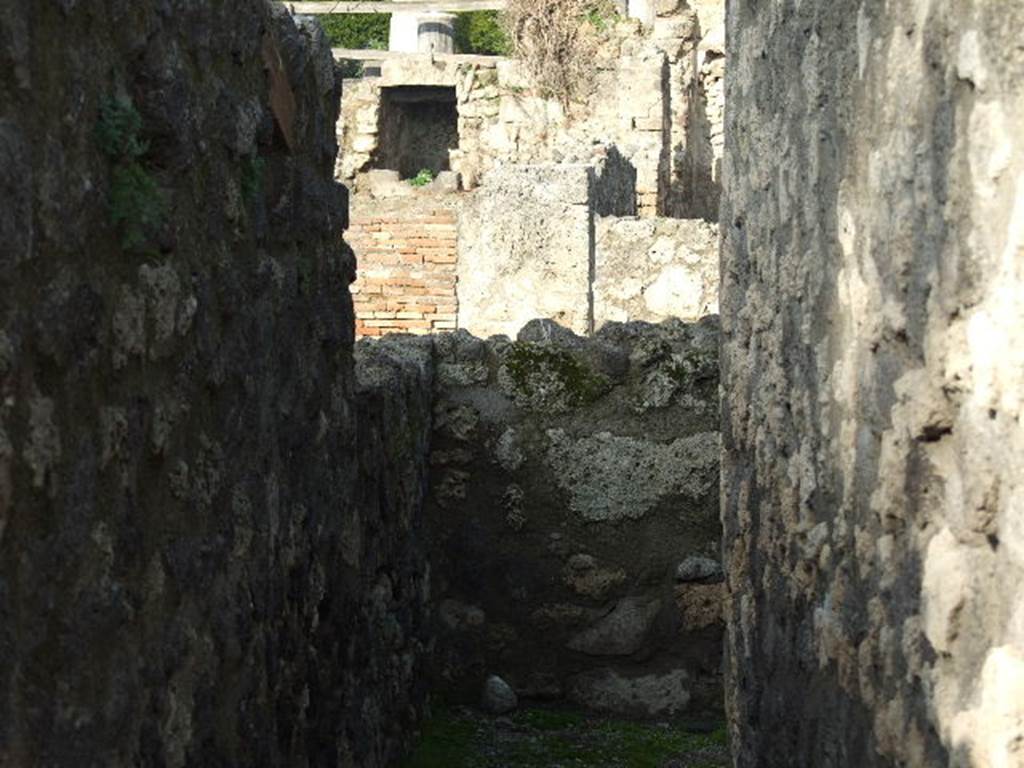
406,272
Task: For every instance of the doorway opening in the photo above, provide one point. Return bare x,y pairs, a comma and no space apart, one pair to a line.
419,127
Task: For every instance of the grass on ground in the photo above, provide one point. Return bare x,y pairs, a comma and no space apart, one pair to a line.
561,738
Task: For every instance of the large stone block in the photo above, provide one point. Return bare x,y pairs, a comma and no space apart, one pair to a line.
529,227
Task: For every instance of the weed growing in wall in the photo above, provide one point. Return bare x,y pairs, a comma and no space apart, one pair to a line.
421,179
252,178
602,16
545,379
136,203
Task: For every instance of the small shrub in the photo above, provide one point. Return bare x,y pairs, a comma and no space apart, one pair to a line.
557,44
481,32
602,16
421,179
356,30
137,204
117,131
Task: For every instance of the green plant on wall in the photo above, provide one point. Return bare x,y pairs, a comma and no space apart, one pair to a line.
602,15
421,179
136,203
252,178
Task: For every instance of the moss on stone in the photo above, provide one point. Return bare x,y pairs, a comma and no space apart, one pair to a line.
694,368
137,204
543,378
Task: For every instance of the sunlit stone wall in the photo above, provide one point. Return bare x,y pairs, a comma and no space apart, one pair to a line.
873,373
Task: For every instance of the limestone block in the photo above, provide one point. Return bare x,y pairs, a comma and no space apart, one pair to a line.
499,139
513,75
649,123
651,269
529,229
591,471
642,10
498,698
366,119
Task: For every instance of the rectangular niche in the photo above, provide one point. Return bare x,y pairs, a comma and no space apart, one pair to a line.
419,126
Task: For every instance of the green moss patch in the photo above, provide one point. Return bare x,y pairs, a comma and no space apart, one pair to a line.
543,737
544,378
137,204
694,369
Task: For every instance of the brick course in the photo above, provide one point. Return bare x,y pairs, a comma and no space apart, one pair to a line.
406,272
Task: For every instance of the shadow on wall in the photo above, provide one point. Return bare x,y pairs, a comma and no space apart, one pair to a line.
697,184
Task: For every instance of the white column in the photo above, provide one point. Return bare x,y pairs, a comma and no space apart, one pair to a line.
436,33
403,34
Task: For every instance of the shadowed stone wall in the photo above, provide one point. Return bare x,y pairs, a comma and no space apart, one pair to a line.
873,372
573,521
188,575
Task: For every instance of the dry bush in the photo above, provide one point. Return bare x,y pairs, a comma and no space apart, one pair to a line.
558,42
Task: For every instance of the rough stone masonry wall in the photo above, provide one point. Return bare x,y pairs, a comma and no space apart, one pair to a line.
873,371
655,97
406,281
188,575
573,516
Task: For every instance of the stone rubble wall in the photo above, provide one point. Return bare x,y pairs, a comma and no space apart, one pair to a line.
208,550
573,516
655,98
873,371
407,260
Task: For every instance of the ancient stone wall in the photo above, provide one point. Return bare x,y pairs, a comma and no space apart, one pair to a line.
534,241
526,246
873,319
654,97
407,261
188,575
573,516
